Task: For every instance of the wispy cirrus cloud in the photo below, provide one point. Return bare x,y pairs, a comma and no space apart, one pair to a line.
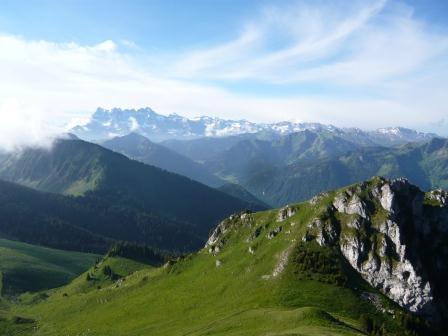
363,44
307,34
365,64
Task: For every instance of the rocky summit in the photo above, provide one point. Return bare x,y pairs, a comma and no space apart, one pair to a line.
390,232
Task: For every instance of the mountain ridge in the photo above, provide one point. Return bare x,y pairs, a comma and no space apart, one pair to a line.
105,124
309,268
140,148
424,164
135,201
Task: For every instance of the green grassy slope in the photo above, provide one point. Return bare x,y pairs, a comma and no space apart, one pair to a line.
127,200
259,283
27,267
69,167
253,156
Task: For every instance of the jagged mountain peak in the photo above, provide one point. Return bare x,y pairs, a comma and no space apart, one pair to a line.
108,123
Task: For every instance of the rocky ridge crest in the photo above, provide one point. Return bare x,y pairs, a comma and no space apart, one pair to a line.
394,235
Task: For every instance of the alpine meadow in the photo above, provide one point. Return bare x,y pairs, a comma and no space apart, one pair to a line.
223,168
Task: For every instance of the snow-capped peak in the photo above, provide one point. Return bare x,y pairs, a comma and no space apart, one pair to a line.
106,123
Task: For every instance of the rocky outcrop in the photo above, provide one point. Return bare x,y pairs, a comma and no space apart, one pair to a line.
274,232
439,196
350,204
216,240
389,230
316,199
282,262
285,213
323,230
393,234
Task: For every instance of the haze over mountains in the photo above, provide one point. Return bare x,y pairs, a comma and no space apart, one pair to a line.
355,261
105,124
277,163
425,164
142,149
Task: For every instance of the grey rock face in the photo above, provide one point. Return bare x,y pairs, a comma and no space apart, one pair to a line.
213,243
274,232
386,198
350,205
324,232
286,213
316,199
381,241
354,250
216,240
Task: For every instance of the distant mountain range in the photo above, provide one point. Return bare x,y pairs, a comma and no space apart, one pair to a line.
272,162
106,124
295,166
425,164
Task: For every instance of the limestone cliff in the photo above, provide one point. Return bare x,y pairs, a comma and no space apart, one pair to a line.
395,236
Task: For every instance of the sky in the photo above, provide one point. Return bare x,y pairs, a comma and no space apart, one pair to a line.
367,64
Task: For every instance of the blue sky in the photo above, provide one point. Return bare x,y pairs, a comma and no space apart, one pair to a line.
369,63
152,24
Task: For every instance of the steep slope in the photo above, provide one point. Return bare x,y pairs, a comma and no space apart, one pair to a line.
148,203
47,219
84,223
292,271
25,267
395,236
423,164
251,156
238,191
70,167
139,148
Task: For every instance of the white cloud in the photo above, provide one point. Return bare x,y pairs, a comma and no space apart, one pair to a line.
390,67
23,125
313,33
